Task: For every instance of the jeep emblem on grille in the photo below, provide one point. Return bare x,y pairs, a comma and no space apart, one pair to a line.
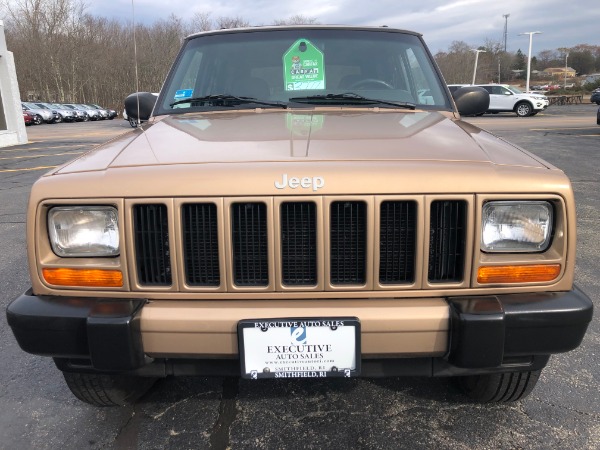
305,182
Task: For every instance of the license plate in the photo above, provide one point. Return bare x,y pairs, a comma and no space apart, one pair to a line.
299,347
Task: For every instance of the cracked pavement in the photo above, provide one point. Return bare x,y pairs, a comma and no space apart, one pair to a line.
38,411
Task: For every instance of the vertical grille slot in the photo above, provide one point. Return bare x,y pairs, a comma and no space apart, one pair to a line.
397,242
298,243
447,241
152,253
249,242
348,242
200,244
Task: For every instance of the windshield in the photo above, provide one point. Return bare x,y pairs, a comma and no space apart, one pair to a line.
302,67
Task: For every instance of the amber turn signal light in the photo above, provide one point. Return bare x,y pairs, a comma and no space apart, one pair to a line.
518,274
83,277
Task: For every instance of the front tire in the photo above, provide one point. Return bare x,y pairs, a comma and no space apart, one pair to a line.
523,109
499,387
107,390
37,120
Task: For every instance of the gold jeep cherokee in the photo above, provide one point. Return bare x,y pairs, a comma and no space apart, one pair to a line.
302,202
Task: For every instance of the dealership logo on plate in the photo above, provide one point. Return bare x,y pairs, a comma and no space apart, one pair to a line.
298,335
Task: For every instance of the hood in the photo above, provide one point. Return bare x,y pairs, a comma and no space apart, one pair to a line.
312,136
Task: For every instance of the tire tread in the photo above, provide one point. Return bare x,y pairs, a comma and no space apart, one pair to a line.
107,390
500,387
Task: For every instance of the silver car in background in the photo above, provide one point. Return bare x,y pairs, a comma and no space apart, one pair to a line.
47,114
66,114
103,113
81,113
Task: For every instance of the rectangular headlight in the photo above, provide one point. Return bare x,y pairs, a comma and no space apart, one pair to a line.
84,231
516,226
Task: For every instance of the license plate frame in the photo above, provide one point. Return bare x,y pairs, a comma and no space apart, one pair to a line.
328,356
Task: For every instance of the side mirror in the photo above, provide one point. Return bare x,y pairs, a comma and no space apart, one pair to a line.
146,101
471,100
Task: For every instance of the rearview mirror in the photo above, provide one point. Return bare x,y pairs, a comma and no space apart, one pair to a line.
471,100
146,102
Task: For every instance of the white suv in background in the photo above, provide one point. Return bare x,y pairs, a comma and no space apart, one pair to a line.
506,98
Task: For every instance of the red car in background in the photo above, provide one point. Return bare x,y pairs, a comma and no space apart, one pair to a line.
28,118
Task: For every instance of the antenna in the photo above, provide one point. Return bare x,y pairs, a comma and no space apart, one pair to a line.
137,80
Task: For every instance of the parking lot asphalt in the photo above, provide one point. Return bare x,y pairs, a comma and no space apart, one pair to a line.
37,410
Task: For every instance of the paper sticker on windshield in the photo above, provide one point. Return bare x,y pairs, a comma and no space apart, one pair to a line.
183,93
303,67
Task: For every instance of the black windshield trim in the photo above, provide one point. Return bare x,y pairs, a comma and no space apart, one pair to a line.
352,99
223,99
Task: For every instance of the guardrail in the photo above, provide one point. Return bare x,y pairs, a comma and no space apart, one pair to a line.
565,99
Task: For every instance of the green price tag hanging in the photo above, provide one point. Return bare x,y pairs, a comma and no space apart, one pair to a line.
303,67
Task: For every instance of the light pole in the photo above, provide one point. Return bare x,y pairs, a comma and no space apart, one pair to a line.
566,57
530,33
477,52
506,16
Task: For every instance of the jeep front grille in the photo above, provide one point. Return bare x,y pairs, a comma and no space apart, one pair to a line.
315,243
249,244
447,241
298,243
348,242
152,247
200,244
397,242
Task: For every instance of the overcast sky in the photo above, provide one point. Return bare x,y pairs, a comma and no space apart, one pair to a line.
562,23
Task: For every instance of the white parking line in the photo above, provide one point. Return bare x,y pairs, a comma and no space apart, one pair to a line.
40,156
27,169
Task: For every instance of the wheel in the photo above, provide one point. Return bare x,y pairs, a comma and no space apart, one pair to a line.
133,122
107,390
58,119
499,387
372,81
86,118
37,119
523,109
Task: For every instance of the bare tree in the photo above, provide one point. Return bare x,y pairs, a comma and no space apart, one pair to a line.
201,21
232,22
297,19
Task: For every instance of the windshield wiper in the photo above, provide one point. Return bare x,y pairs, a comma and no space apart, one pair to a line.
227,100
350,98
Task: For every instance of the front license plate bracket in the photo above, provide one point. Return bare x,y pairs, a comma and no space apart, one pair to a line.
306,347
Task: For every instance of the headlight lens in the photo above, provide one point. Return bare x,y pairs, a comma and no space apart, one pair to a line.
515,226
89,231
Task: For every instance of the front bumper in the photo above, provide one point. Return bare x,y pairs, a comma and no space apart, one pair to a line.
482,334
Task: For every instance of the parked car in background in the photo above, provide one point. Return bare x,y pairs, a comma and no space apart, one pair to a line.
57,118
46,114
92,113
506,98
67,114
110,113
28,118
595,97
102,113
81,114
